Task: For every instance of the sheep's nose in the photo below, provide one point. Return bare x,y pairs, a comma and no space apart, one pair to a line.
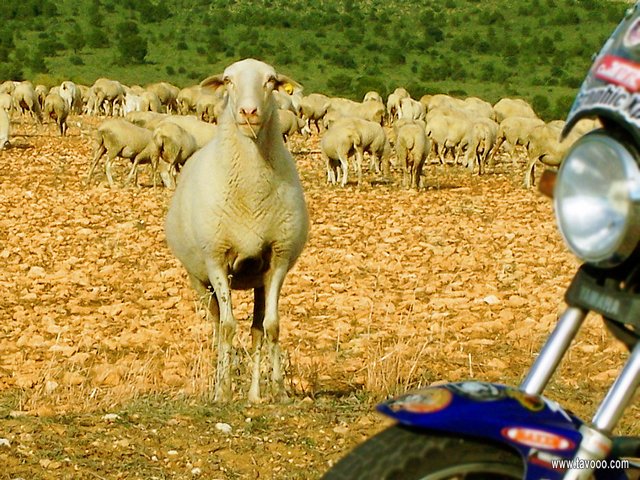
248,111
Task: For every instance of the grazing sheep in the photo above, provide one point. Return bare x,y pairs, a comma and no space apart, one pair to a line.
71,94
187,99
447,129
411,109
238,218
25,99
202,132
290,123
338,144
146,119
393,103
209,106
5,126
314,107
56,108
512,107
479,142
166,93
108,97
343,107
545,146
41,92
117,137
412,148
171,147
513,131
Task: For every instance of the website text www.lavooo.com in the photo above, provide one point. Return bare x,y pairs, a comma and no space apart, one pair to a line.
583,464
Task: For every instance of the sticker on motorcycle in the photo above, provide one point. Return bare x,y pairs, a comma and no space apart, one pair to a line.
429,400
534,438
480,391
619,71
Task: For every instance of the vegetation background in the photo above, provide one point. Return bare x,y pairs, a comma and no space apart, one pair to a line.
539,50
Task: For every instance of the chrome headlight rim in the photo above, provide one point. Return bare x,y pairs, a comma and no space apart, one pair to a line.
623,156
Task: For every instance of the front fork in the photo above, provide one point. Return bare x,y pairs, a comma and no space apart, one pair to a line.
596,441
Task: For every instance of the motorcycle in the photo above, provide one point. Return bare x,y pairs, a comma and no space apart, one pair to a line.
477,429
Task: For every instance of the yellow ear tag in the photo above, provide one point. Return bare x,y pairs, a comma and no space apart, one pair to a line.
288,88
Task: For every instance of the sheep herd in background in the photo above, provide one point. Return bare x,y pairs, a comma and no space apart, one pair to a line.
163,125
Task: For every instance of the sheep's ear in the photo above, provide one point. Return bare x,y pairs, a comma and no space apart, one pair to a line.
286,85
215,82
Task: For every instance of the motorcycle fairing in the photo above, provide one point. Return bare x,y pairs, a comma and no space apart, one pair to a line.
537,428
611,89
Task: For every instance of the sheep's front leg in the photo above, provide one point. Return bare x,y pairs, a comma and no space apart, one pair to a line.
226,329
273,285
257,333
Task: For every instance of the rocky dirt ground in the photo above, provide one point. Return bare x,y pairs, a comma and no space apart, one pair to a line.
106,358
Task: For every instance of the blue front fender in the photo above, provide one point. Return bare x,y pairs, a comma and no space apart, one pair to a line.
538,428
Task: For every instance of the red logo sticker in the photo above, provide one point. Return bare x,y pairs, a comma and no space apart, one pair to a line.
534,438
619,71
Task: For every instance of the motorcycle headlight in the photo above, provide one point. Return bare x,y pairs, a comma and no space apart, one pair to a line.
597,199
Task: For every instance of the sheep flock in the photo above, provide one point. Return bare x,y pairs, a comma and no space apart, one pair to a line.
448,131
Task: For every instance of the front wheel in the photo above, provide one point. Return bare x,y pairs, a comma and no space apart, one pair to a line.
405,453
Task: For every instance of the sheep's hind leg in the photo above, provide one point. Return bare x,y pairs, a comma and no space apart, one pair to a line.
226,330
257,334
273,285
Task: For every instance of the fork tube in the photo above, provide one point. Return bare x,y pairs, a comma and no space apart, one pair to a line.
620,394
553,350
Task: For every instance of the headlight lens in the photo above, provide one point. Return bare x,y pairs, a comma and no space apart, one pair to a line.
597,200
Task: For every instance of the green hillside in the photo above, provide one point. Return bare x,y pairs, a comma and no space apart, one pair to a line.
536,49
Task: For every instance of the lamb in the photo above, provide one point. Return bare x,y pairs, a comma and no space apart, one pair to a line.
412,148
238,218
337,145
5,126
56,108
117,137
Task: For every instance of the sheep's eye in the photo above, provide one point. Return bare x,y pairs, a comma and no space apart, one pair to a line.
271,82
227,81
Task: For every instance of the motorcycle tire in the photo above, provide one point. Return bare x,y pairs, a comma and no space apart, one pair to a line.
404,453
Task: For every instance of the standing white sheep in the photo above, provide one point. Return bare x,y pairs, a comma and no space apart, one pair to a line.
340,142
117,137
57,109
238,218
412,148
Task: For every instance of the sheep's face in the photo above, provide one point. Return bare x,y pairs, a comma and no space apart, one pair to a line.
248,88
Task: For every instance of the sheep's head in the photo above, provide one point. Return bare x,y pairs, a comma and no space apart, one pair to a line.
248,87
